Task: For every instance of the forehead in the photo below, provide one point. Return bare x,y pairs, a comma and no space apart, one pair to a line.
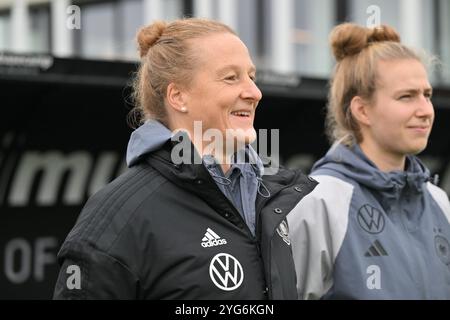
402,74
219,50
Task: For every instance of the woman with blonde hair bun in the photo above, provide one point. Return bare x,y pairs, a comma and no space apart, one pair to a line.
375,227
174,228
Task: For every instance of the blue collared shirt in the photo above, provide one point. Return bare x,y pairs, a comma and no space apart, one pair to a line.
239,185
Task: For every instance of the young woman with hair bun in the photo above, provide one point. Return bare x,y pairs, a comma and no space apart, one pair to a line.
375,227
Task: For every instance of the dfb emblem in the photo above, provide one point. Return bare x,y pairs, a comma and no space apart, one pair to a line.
283,232
226,272
371,219
442,249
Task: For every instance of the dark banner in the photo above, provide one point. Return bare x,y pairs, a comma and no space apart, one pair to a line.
63,135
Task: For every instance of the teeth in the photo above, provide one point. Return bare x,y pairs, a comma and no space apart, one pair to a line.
241,113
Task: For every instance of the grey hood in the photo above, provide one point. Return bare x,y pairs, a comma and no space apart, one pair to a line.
352,163
149,137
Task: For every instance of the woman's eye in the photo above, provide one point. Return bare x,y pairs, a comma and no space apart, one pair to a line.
231,77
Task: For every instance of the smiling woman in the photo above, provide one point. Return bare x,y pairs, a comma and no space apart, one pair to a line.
222,95
375,227
171,230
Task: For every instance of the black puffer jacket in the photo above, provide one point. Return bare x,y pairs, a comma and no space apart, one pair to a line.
165,231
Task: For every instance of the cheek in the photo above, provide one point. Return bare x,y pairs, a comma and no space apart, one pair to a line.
387,130
394,119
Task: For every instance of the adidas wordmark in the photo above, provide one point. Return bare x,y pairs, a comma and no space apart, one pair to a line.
211,239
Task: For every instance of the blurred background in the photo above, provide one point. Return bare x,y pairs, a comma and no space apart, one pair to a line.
65,70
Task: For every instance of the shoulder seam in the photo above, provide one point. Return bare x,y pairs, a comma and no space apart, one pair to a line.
106,203
441,199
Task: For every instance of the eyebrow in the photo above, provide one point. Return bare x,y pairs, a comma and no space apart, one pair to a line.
233,67
414,91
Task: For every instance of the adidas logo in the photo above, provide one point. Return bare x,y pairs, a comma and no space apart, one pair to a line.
376,250
211,239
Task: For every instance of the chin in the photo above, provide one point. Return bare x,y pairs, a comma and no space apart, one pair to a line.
414,150
417,151
239,138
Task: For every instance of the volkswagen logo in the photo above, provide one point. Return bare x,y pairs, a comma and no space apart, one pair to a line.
371,219
226,271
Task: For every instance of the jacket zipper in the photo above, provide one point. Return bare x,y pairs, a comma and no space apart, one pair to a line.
261,206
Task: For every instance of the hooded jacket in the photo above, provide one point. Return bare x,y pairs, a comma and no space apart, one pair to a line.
367,234
166,231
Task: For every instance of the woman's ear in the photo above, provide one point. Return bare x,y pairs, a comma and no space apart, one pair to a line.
360,110
176,98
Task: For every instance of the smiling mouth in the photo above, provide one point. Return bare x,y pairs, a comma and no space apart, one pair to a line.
245,114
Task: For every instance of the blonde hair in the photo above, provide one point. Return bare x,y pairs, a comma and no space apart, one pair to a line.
357,51
166,56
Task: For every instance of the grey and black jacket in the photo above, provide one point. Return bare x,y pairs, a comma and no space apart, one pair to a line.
166,231
367,234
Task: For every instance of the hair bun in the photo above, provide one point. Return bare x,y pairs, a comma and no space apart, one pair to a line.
147,36
348,39
383,33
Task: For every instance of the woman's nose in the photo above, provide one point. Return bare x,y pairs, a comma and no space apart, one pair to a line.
251,91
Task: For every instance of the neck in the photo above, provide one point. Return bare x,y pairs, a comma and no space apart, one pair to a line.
223,158
384,160
225,168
